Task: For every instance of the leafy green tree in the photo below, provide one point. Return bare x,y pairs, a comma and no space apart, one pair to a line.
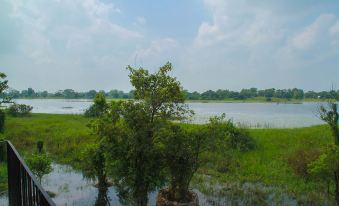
69,94
91,94
39,164
94,164
181,149
330,116
130,128
3,87
30,92
99,107
326,167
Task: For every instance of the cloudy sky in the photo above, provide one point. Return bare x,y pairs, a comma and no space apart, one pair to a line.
227,44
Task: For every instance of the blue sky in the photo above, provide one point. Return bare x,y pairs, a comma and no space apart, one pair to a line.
227,44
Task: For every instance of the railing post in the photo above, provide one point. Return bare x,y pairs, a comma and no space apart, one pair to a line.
14,183
23,188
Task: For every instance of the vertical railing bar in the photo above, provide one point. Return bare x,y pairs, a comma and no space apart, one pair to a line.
30,192
23,188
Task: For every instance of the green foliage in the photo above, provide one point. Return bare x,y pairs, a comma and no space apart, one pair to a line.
326,165
65,137
94,164
129,129
224,130
20,110
99,107
3,87
300,159
181,149
331,117
326,168
40,165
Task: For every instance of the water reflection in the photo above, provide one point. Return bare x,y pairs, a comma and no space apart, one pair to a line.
71,188
102,198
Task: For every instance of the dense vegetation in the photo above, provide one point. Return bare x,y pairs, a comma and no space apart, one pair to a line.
141,147
66,136
244,94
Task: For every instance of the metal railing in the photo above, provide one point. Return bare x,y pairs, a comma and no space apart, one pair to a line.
23,188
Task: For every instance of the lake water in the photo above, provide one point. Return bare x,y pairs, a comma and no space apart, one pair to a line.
70,188
247,114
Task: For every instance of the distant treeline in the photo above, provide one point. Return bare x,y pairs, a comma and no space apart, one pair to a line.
207,95
266,93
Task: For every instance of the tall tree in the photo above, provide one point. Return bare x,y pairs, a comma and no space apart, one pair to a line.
131,126
3,87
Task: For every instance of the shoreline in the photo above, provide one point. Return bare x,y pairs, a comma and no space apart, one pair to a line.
252,100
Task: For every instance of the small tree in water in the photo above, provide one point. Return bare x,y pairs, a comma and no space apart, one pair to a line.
39,163
94,165
131,126
181,149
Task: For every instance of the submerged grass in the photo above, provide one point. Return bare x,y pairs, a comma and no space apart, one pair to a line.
65,136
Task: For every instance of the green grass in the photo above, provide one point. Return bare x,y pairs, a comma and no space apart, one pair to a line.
65,136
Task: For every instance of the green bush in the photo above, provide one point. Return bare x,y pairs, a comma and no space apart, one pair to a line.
224,131
40,165
20,110
98,108
241,140
300,159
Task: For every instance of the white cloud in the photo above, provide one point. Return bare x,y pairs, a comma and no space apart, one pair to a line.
157,53
335,29
312,33
141,20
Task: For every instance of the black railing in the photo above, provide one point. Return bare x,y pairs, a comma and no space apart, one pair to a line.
23,188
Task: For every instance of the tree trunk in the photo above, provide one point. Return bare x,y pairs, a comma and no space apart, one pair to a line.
336,176
142,198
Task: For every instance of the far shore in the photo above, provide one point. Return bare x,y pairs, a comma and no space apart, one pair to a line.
249,100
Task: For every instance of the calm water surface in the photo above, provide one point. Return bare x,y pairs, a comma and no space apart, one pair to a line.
247,114
70,188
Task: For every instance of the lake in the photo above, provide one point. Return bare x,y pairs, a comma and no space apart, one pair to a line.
70,188
246,114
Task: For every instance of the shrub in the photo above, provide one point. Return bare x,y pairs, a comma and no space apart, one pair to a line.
98,108
300,159
40,165
224,131
19,110
240,139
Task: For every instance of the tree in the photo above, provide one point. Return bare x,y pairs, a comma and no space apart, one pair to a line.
130,128
181,149
94,164
326,167
99,107
330,116
39,163
3,87
30,92
91,94
69,94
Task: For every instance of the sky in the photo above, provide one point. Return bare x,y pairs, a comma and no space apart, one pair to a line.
212,44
